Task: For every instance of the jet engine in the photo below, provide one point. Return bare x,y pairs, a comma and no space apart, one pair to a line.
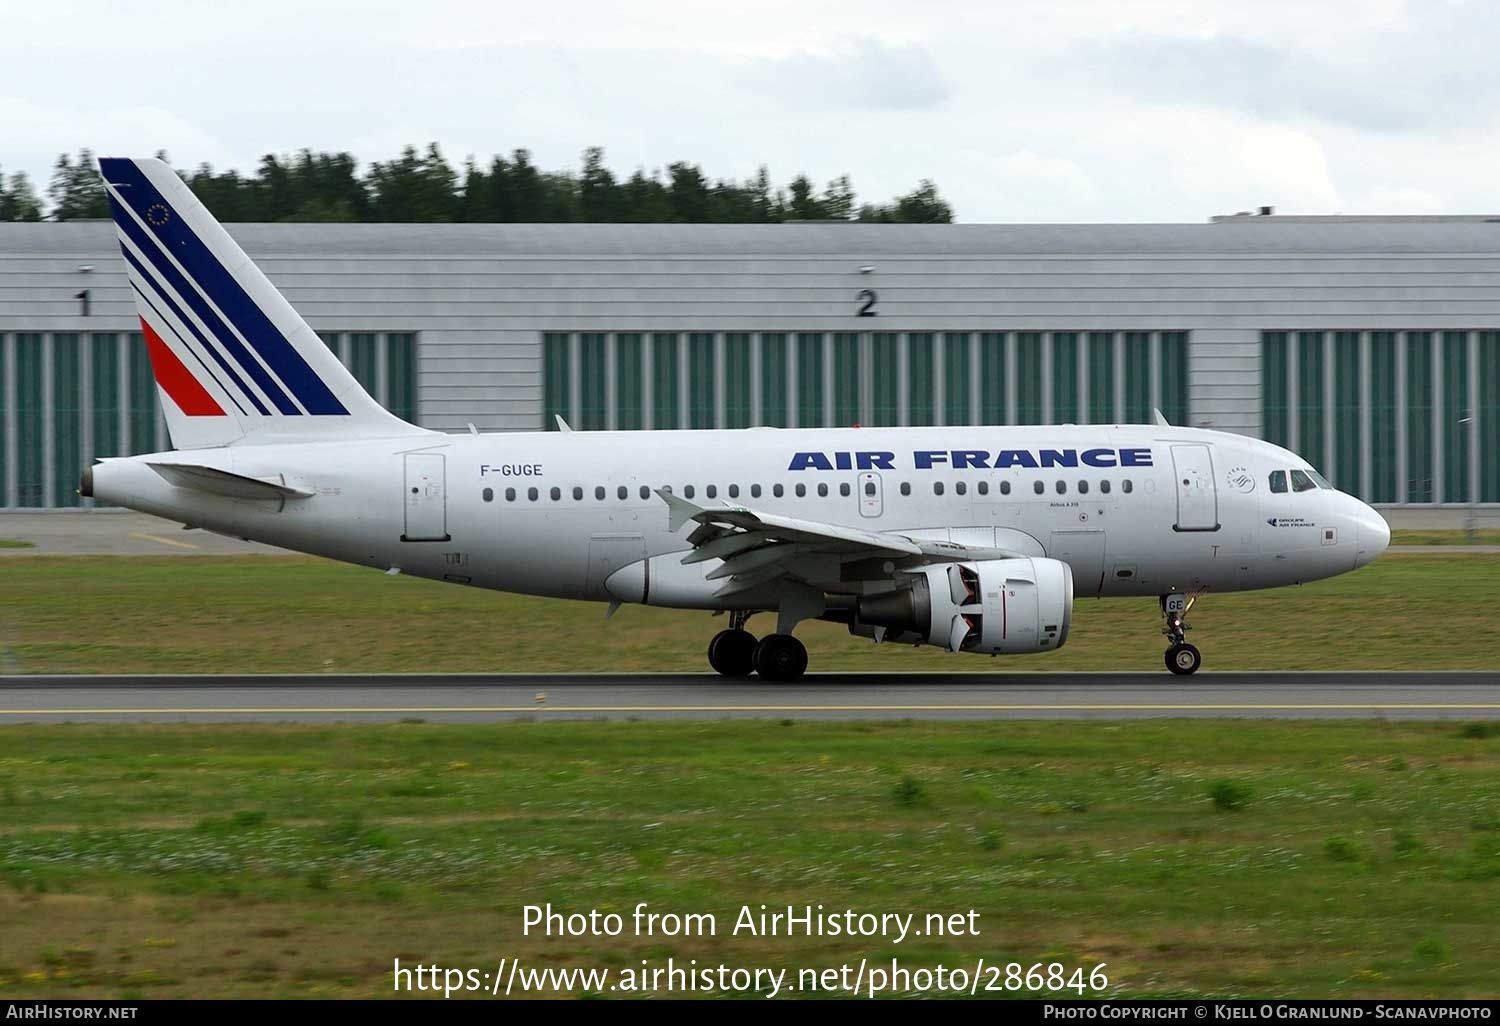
992,606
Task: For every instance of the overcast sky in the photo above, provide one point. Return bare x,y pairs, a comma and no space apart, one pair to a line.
1064,110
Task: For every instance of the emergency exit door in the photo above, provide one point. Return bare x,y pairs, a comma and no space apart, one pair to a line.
1197,498
426,497
871,495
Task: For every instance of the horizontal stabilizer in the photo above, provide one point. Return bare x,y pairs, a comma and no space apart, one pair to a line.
222,482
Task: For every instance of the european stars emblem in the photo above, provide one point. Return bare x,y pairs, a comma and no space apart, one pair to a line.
158,214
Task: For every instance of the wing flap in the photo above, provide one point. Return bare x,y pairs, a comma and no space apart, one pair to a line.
756,548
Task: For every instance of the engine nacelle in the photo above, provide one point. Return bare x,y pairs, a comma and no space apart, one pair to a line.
992,606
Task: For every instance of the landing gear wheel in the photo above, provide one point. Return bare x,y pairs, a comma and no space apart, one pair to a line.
780,657
732,653
1183,659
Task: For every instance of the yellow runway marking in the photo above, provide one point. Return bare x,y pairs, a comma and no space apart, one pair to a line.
751,708
164,541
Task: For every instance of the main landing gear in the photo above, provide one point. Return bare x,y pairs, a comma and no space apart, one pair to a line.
736,653
1181,658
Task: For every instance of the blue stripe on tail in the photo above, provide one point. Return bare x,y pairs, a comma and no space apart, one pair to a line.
166,297
220,286
176,282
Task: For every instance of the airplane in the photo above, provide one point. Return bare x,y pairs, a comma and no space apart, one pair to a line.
975,539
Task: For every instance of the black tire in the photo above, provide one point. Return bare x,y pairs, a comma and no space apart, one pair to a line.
1183,659
732,653
780,657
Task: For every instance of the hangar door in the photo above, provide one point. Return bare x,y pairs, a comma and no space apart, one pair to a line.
426,497
1197,499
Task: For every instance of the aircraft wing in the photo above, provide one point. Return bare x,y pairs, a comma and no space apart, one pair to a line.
757,548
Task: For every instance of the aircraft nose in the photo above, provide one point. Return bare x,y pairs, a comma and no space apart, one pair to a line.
1372,534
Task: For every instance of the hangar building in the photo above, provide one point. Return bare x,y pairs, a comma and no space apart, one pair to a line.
1369,345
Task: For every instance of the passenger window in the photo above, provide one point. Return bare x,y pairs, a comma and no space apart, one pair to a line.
870,487
1004,487
937,488
577,494
599,492
1302,483
531,493
1278,481
489,495
556,493
905,487
1083,487
801,491
755,491
984,488
1038,487
645,491
822,491
844,489
687,491
1104,486
712,491
1062,488
777,490
510,495
623,493
961,488
734,491
1126,486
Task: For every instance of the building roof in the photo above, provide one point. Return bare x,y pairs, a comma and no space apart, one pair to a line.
1235,235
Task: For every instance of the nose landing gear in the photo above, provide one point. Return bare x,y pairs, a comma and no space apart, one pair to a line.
1181,658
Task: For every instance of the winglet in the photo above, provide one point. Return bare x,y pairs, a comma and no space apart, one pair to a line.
680,510
562,425
1158,419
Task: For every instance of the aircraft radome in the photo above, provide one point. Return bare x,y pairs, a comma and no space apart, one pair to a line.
974,539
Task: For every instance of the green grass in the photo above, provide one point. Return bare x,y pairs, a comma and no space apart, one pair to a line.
1314,859
16,543
1414,536
265,614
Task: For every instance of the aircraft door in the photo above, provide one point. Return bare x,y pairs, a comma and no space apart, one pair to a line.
1197,498
608,553
871,495
426,497
1084,552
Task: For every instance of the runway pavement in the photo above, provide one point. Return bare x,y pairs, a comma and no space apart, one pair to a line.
480,699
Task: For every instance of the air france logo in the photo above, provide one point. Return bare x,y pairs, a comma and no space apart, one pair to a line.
973,459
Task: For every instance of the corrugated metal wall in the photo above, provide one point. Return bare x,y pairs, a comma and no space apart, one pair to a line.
731,324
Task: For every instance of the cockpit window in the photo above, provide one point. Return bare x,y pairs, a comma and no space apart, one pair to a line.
1278,480
1301,482
1323,482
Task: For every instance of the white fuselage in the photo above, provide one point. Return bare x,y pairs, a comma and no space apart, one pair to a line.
558,513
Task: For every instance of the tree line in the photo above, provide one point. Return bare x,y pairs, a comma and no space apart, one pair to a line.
421,186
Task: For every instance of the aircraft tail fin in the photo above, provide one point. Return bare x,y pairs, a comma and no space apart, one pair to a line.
234,363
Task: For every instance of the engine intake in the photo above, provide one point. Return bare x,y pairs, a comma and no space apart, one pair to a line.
991,606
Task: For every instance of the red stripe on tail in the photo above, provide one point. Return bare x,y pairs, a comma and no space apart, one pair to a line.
186,391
